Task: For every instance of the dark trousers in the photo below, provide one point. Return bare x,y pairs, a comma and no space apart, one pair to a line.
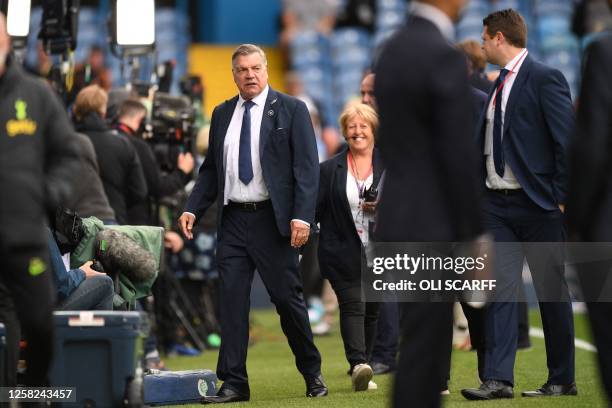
596,284
523,325
309,268
387,335
595,280
599,316
8,317
358,321
249,240
26,274
515,218
425,352
476,318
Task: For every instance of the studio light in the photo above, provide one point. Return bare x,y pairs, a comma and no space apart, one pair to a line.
135,23
18,18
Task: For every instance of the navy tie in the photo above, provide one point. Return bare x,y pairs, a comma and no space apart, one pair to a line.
498,153
245,165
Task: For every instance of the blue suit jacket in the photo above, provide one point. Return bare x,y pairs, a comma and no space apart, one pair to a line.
289,161
538,123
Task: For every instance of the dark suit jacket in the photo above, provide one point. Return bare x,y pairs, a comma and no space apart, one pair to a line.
479,100
589,205
479,103
538,121
288,155
480,81
426,132
339,245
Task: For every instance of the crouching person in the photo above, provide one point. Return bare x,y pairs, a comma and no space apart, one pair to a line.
82,288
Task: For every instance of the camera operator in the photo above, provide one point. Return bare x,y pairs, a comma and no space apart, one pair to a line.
38,157
130,120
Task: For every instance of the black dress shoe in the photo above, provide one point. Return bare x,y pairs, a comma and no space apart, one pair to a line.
224,395
315,387
552,390
490,389
381,368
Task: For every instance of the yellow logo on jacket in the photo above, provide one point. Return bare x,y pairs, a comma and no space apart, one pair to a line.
22,125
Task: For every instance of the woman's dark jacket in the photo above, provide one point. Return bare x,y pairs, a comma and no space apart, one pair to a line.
340,253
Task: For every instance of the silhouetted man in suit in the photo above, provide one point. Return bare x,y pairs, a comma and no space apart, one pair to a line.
384,353
263,170
590,195
430,192
522,140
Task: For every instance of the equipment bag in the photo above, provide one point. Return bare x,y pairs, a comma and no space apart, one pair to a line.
178,387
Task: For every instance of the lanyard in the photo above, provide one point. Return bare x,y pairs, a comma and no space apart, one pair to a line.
353,164
501,86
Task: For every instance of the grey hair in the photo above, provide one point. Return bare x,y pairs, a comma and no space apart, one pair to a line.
248,49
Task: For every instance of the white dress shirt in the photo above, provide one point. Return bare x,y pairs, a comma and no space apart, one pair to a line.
494,181
236,190
436,16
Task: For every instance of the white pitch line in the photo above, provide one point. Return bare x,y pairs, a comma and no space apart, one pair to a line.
581,344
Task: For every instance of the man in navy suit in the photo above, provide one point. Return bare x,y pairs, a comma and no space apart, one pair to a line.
262,168
523,137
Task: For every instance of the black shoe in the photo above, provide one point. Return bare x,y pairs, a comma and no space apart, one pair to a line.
224,395
381,368
315,386
552,390
490,389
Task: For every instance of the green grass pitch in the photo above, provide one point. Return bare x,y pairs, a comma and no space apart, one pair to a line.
275,382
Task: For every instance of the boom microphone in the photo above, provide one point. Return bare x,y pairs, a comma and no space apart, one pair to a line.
117,252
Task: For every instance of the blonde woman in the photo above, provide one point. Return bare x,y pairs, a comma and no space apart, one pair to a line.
346,203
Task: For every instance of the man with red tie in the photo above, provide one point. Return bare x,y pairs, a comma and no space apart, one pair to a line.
523,138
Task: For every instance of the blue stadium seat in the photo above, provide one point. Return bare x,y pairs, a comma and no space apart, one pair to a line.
346,37
547,7
88,15
505,4
559,42
478,8
166,17
552,25
389,19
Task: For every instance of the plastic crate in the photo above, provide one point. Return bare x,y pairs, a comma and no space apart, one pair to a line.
99,353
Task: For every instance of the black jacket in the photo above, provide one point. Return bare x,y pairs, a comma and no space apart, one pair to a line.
38,157
158,185
89,198
589,204
340,253
120,167
426,139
